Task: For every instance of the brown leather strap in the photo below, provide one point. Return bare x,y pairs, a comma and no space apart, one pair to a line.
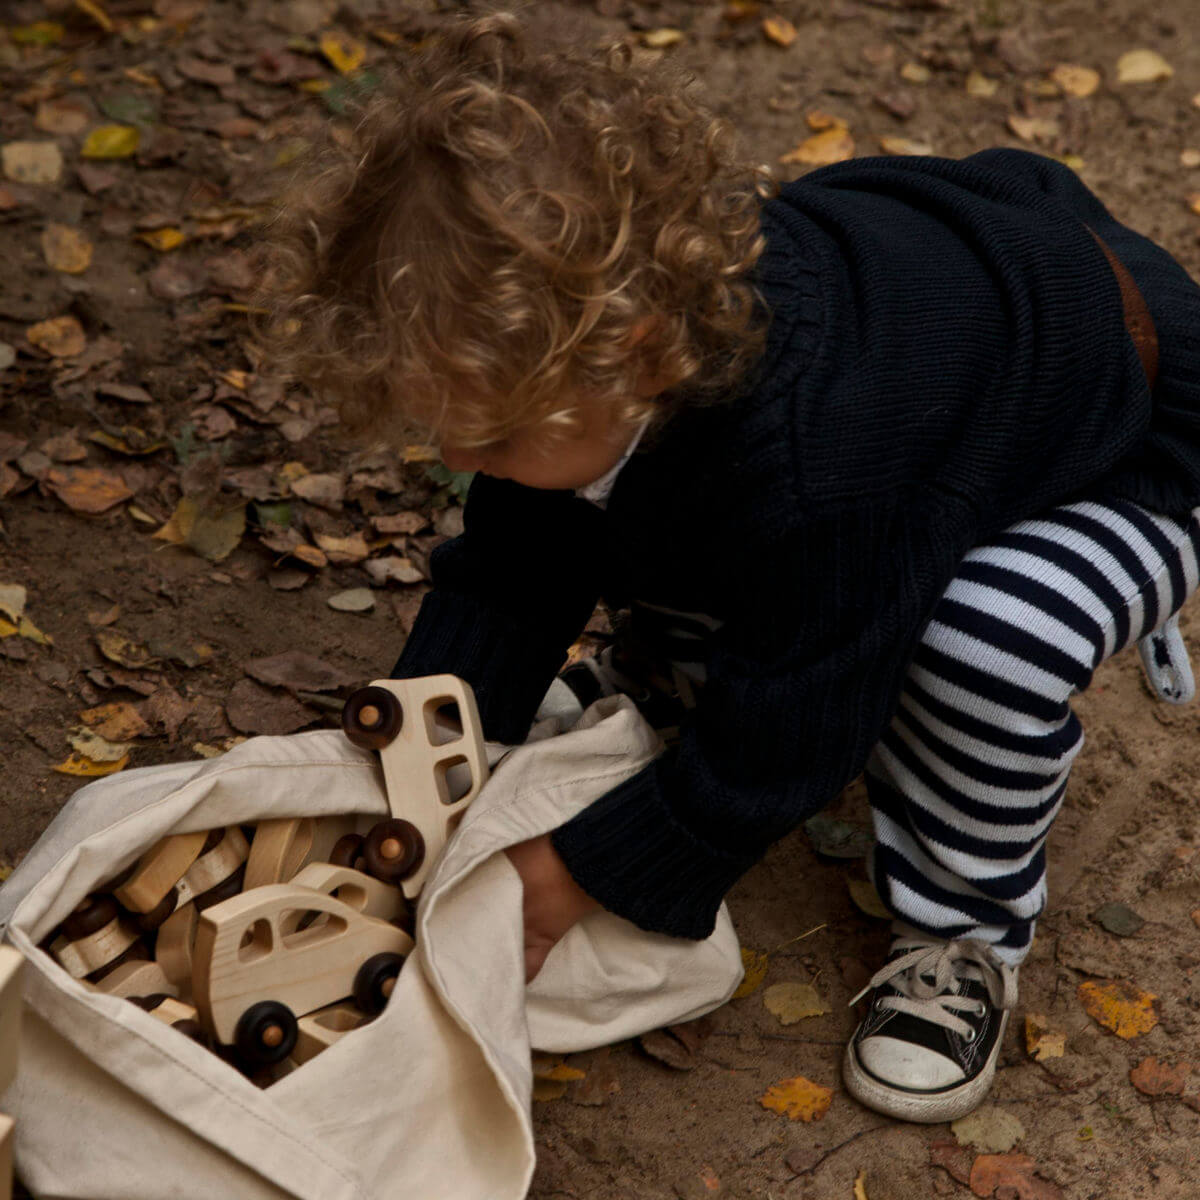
1137,316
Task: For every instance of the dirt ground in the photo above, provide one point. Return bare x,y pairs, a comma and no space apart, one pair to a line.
220,93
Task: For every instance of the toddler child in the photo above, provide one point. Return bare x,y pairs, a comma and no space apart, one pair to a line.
888,459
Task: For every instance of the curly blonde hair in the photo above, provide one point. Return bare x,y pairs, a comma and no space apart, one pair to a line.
483,249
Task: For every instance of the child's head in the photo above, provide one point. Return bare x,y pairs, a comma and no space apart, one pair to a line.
509,239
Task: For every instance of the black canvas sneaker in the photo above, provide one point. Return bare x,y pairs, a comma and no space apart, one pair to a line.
927,1049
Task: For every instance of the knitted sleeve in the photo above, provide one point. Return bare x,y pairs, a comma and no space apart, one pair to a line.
509,596
800,687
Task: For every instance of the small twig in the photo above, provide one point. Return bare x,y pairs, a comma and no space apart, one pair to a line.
830,1153
799,937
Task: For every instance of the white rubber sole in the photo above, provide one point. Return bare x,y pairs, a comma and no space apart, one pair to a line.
928,1108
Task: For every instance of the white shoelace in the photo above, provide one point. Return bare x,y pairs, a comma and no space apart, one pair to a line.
927,978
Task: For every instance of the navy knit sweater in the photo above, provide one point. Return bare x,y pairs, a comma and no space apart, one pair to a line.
946,355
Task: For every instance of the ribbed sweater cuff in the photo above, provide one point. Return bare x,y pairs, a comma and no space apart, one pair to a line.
628,851
508,664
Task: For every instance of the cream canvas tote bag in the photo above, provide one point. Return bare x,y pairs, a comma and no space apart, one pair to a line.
432,1098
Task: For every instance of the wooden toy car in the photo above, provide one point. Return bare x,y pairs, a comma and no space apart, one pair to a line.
221,854
262,959
319,1030
137,979
283,846
360,891
160,869
428,735
94,937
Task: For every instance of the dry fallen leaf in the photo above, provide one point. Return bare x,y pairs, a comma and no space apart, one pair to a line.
327,491
1028,129
87,489
343,53
1120,1006
1016,1174
394,567
867,899
32,162
660,39
989,1129
118,648
62,337
779,30
981,85
916,72
1143,66
1153,1078
298,672
97,749
343,551
819,120
77,764
903,145
66,249
63,114
792,1001
860,1186
352,600
798,1099
1075,80
111,141
755,963
831,146
116,722
1041,1042
164,239
1193,202
213,533
12,600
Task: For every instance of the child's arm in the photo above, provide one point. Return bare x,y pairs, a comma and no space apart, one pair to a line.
510,596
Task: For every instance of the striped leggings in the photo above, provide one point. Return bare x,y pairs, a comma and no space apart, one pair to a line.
969,776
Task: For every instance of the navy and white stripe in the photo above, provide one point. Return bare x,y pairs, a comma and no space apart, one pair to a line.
971,773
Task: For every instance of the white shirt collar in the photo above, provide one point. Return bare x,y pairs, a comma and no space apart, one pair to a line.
598,490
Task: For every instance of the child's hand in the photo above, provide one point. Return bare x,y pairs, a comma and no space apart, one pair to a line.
553,900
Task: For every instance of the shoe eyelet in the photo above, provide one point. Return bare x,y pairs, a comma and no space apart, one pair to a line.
969,1036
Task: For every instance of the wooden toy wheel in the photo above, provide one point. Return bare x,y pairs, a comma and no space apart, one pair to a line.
375,980
223,890
348,852
393,850
266,1033
91,914
372,717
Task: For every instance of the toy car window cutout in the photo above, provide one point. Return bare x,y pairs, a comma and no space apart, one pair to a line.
454,778
351,894
257,942
324,927
443,721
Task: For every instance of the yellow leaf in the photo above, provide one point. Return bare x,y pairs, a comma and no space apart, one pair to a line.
1028,129
7,628
145,78
818,120
1120,1006
867,899
903,145
343,551
345,54
548,1089
27,629
66,249
562,1074
307,85
1076,80
5,871
1041,1042
1193,202
62,337
981,85
212,533
111,141
780,30
87,489
860,1186
116,647
78,765
290,471
241,380
90,745
793,1001
167,238
916,72
798,1099
1143,66
660,39
97,14
755,963
40,33
117,722
831,146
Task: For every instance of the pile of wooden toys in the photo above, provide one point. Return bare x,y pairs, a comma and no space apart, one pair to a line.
268,943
